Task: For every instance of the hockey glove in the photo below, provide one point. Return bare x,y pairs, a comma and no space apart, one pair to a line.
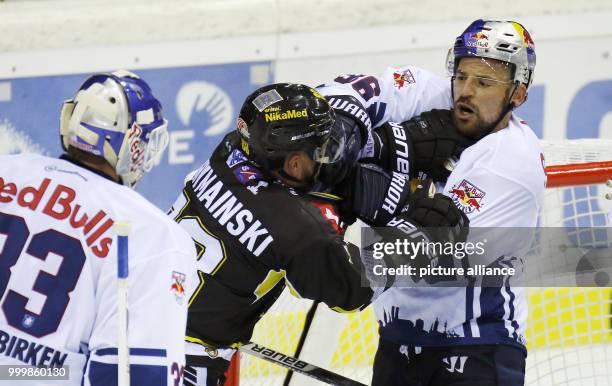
424,146
429,219
372,195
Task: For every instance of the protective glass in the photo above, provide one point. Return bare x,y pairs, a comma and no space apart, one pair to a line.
332,149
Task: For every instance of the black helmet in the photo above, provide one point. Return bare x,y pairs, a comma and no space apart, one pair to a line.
278,119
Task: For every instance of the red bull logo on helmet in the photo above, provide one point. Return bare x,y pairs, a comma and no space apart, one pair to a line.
479,35
524,34
467,196
477,39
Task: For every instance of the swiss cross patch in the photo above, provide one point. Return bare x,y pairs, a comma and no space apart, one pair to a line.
400,78
467,196
329,213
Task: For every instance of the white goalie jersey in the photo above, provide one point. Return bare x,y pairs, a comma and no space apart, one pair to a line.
58,276
498,182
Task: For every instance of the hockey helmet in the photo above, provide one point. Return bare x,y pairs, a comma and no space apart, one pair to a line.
281,118
506,41
116,117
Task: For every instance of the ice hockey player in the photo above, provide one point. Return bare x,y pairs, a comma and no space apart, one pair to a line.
472,335
257,229
58,260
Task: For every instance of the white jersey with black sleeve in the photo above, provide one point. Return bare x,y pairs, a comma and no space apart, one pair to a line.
498,182
58,275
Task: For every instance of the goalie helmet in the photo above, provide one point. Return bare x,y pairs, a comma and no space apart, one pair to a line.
281,118
116,117
506,41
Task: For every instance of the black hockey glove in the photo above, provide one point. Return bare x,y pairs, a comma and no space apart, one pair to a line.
423,147
353,122
372,195
430,220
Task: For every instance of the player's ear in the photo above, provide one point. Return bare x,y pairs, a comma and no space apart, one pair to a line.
293,164
520,95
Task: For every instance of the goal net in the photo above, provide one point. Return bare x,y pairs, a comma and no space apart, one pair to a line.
569,331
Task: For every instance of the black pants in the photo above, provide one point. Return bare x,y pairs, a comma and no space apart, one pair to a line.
485,365
204,371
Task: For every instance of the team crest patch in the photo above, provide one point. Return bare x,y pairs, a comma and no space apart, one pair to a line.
401,78
330,215
235,157
177,287
247,173
467,196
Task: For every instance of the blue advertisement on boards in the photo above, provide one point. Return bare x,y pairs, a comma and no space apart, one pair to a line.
201,104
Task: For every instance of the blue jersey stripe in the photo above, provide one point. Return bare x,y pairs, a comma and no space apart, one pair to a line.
105,374
469,310
145,352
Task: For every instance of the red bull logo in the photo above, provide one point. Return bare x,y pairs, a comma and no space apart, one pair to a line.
479,36
527,39
401,78
467,197
477,39
177,287
525,36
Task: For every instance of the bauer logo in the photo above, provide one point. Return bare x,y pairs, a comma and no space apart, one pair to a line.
280,357
467,196
204,107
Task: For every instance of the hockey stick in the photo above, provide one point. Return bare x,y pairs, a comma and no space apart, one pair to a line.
295,364
298,350
122,229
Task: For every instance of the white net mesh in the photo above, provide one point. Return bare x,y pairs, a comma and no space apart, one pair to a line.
569,330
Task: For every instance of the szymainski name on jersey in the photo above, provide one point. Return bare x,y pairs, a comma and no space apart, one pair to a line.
224,206
30,352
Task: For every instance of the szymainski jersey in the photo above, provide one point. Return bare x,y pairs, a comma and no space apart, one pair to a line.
498,182
254,235
58,275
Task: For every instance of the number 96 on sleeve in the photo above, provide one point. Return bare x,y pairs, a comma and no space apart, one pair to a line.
25,373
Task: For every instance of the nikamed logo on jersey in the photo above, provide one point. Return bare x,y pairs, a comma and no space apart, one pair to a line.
467,196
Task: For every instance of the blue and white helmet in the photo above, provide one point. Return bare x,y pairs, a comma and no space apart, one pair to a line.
116,117
506,41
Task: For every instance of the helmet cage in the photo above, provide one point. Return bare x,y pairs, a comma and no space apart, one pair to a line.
116,117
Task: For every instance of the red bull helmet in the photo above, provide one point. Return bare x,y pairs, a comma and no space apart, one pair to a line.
506,41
